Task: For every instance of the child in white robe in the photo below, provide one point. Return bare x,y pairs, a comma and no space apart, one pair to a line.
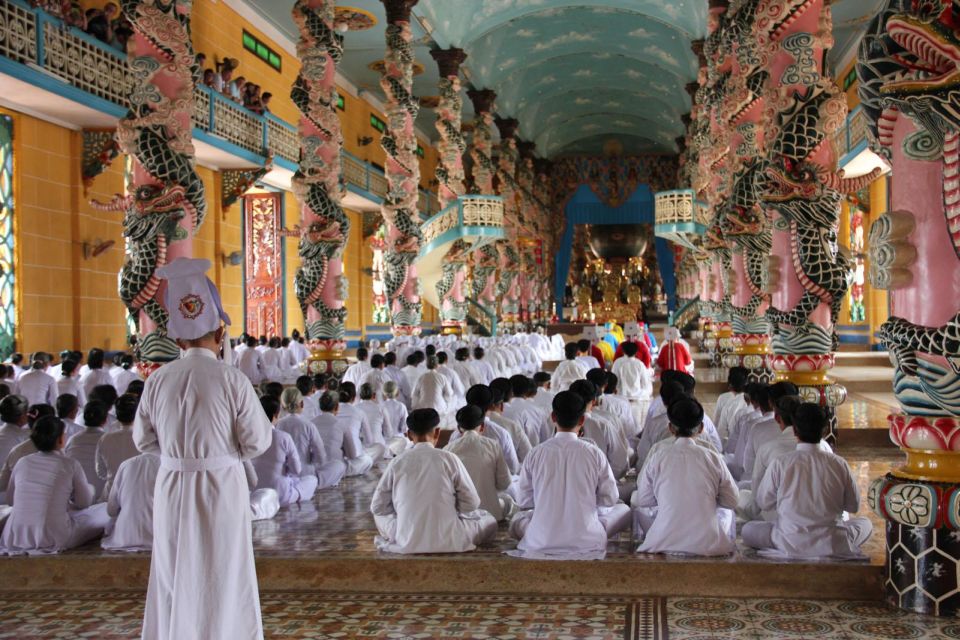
130,505
568,493
688,491
116,447
394,419
83,446
51,498
306,438
810,490
278,467
425,501
484,462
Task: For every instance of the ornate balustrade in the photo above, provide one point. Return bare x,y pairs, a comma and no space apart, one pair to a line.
851,138
470,216
485,319
685,314
680,217
371,179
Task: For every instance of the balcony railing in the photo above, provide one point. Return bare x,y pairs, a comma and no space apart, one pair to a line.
680,217
371,179
851,138
473,215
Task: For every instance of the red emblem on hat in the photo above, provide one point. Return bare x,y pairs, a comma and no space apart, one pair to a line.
191,306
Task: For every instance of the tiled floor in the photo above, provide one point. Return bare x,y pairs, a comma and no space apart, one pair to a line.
344,616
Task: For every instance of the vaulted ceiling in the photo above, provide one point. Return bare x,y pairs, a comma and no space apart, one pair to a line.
577,75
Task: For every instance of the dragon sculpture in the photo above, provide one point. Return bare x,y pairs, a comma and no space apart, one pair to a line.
318,283
167,203
486,258
909,64
402,169
483,275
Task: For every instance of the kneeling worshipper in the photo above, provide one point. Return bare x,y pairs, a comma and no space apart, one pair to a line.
484,462
130,505
202,417
394,419
306,439
51,498
685,494
341,437
568,494
810,490
278,467
425,501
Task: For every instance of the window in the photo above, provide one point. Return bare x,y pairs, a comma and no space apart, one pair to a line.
254,45
420,151
377,123
8,303
850,79
340,103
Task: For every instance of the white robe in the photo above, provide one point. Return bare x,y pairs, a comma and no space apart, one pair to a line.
687,484
251,364
83,448
433,391
566,373
425,502
356,372
569,487
202,417
95,378
38,387
395,425
112,450
278,468
123,378
72,387
494,431
482,459
51,506
130,505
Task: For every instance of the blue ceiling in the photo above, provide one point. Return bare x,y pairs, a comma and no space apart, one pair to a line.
576,75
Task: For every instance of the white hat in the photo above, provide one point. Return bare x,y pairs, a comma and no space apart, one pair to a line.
592,333
631,329
192,300
671,333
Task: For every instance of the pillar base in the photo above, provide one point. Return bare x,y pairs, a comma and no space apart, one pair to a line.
326,356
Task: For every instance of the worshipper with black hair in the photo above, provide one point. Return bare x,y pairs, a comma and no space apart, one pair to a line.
425,501
37,386
482,397
731,402
620,406
376,377
688,491
356,371
372,441
83,446
483,461
568,371
279,467
763,422
374,418
24,449
306,439
483,370
96,374
124,373
568,493
67,410
341,437
309,398
459,388
461,366
502,393
521,408
544,394
135,387
117,446
432,390
606,407
250,362
202,417
810,490
50,497
657,425
636,382
106,394
69,382
390,368
609,437
763,431
13,433
585,355
394,419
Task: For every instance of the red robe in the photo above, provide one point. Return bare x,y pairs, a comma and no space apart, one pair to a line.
596,353
674,355
643,351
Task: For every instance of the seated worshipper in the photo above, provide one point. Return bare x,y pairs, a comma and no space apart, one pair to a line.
67,410
37,386
568,371
522,409
636,381
394,419
412,371
459,389
117,446
96,374
765,422
355,372
619,405
616,410
13,433
503,393
674,355
657,427
586,357
136,387
123,374
22,450
306,439
461,366
83,446
609,437
685,494
309,396
376,376
741,422
130,505
731,402
278,467
373,441
483,370
373,414
568,493
484,462
51,498
69,382
810,490
763,431
483,397
544,395
107,394
425,501
251,362
341,438
432,390
391,369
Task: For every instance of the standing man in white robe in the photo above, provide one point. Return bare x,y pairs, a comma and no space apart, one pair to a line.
202,417
636,381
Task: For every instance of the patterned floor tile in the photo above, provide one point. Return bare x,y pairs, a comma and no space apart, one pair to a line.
721,619
307,616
